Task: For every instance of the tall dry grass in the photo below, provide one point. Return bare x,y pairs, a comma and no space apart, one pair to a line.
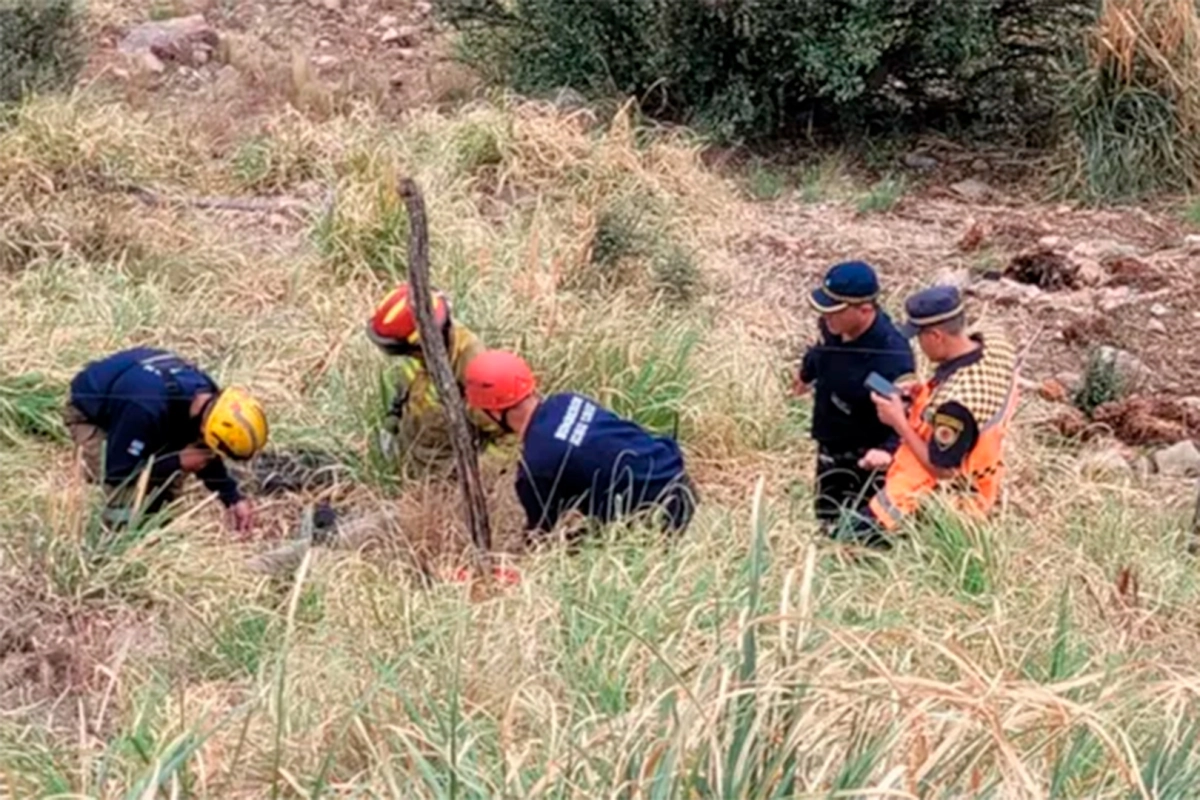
1049,653
1133,108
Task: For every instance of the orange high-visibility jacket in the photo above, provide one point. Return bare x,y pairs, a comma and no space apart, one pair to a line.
988,388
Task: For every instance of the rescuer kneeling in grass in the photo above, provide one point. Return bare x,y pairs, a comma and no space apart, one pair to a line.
416,430
576,455
954,433
146,407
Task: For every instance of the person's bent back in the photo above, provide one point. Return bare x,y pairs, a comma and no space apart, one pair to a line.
577,455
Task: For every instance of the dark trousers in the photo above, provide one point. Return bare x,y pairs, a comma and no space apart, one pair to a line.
842,485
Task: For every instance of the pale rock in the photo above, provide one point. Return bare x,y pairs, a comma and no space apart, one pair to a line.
332,5
1113,297
1156,326
1053,243
390,35
1192,242
389,21
1071,381
152,63
958,278
972,190
1160,310
175,39
325,60
1178,460
1100,249
1108,463
1088,271
920,162
1129,367
406,53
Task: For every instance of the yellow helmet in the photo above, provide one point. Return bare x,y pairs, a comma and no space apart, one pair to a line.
235,424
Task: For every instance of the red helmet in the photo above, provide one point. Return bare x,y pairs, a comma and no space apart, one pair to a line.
496,380
393,328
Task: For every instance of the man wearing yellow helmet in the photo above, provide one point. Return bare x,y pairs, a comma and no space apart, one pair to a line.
416,429
149,409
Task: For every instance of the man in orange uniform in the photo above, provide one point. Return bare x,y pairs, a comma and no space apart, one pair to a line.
954,433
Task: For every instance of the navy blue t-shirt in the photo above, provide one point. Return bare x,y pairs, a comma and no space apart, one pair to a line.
579,455
844,416
132,402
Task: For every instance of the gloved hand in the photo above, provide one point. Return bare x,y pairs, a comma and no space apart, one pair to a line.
388,443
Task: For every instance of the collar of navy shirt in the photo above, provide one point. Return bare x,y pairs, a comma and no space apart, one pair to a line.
944,370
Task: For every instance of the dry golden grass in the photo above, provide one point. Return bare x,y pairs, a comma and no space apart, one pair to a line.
1050,652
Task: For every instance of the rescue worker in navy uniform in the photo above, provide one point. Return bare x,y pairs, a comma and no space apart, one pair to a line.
143,403
854,448
577,455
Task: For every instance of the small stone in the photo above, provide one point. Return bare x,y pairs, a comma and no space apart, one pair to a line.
389,21
1107,463
332,5
1156,326
1053,243
153,63
324,43
390,35
174,39
981,165
1071,381
972,190
1114,297
1178,460
406,53
1192,241
1088,271
1160,310
920,162
325,60
397,80
1131,369
958,278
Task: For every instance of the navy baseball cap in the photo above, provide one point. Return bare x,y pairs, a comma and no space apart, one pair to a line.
845,284
930,307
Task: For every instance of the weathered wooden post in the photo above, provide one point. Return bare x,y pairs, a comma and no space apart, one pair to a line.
437,361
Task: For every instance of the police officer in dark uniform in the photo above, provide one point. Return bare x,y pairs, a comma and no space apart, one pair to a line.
857,338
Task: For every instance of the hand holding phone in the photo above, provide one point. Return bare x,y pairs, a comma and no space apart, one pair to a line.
881,385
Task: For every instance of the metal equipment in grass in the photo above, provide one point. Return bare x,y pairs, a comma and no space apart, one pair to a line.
437,360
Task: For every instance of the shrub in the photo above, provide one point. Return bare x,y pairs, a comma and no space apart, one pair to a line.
753,68
40,47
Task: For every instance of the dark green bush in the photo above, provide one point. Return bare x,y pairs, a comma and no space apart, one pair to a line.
40,46
761,68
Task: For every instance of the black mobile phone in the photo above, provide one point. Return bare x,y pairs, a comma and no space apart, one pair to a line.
880,385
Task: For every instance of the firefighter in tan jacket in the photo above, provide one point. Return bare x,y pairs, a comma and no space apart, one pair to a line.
952,435
416,430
